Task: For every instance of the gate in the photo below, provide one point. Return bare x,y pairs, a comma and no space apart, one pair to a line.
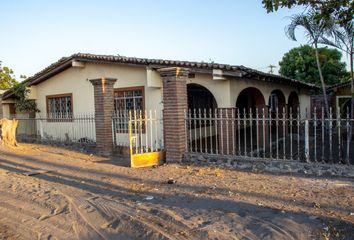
145,139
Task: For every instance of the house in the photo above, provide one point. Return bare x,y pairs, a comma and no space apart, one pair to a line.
341,98
2,90
103,84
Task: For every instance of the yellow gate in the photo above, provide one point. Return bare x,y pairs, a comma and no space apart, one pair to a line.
145,139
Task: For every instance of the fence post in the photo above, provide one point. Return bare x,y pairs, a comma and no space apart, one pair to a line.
174,81
307,141
104,109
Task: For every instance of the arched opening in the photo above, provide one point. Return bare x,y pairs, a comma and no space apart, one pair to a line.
250,98
201,105
248,102
200,97
293,104
276,101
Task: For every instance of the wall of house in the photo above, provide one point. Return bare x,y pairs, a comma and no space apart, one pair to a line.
227,91
219,88
76,81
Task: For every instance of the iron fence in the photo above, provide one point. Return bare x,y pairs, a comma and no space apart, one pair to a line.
271,134
74,129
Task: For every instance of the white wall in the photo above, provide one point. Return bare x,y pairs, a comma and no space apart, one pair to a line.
76,81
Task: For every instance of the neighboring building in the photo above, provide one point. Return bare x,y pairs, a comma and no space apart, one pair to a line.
64,88
1,92
341,98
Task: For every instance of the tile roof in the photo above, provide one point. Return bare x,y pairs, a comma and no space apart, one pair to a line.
157,63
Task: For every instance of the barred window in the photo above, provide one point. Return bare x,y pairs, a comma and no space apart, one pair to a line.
60,106
125,100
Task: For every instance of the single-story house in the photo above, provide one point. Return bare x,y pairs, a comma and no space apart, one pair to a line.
341,98
2,90
74,84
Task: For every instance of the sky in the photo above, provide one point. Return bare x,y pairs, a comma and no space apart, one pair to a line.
36,33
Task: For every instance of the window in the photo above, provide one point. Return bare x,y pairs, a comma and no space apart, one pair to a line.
60,106
125,100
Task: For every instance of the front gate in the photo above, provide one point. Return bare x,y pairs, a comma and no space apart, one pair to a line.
141,133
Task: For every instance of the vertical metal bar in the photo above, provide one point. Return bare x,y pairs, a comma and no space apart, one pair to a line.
330,136
156,130
257,132
123,117
195,130
211,130
307,144
151,139
270,133
284,135
315,133
348,137
200,130
141,131
264,132
205,132
323,134
190,131
339,136
227,131
216,131
251,132
291,132
277,130
233,130
145,126
239,131
245,130
221,132
298,133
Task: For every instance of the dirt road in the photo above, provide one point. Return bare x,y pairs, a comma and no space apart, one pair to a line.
90,197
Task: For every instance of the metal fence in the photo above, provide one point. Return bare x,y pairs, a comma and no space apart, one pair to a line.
271,134
76,129
141,129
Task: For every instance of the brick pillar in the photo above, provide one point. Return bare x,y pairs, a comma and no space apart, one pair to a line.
226,131
175,103
104,109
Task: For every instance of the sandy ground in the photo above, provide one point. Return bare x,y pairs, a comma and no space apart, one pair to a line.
89,197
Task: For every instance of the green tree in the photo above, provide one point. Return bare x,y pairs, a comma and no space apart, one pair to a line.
300,63
342,10
7,78
315,30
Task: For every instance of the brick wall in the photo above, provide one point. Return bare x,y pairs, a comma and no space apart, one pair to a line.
175,103
104,109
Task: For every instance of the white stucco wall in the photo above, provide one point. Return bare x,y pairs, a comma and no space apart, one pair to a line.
76,81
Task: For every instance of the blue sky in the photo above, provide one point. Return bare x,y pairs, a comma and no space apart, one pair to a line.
36,33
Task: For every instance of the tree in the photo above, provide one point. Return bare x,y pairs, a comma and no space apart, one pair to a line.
22,103
344,40
314,31
7,79
300,63
342,10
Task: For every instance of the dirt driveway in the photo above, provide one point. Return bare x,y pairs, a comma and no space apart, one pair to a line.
90,197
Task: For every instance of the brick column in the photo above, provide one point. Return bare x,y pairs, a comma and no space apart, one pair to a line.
226,131
175,103
104,109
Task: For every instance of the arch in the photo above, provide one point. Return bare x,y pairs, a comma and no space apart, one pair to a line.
293,103
199,97
250,98
276,100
